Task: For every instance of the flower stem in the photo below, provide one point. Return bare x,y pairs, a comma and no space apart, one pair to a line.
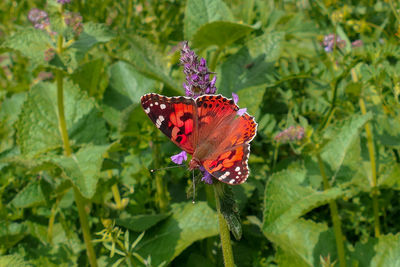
223,228
161,192
67,151
371,151
335,217
375,190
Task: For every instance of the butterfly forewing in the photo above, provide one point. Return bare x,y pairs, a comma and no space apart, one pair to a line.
174,116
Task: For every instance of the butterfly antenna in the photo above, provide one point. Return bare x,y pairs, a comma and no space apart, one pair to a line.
170,167
194,189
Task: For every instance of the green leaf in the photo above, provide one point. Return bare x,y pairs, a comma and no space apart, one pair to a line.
146,58
140,223
188,223
251,98
126,86
387,251
302,244
252,65
30,42
219,33
342,137
93,33
364,252
90,77
389,177
14,260
387,130
200,12
289,195
31,195
83,168
230,211
11,234
132,120
38,130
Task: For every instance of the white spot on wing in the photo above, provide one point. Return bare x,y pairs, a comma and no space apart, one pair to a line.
159,121
156,103
147,110
162,106
232,181
237,169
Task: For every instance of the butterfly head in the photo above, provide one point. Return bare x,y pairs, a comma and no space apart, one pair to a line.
194,163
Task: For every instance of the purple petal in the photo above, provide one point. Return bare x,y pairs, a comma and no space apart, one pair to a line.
179,158
235,98
214,79
207,178
241,111
203,62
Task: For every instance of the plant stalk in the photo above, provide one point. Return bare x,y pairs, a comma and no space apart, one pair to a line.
223,228
371,152
67,151
161,192
335,217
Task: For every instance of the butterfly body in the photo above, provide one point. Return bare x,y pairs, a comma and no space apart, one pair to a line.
209,128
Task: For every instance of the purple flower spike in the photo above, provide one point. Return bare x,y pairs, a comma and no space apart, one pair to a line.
197,74
179,158
62,2
207,177
74,20
290,134
331,40
39,18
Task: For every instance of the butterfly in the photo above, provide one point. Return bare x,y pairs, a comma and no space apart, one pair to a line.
209,128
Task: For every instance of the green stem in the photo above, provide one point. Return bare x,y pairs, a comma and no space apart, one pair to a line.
223,228
394,10
335,217
67,151
375,190
162,197
275,157
371,151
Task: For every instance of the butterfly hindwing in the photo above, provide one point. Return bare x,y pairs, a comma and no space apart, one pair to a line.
174,116
231,166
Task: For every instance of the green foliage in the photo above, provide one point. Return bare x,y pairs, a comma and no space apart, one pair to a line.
337,104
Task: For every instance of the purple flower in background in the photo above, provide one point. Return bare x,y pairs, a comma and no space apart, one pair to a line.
197,74
357,43
293,133
332,40
179,158
39,18
62,2
49,54
74,20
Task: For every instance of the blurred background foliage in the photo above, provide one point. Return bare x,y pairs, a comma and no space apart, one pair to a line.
329,196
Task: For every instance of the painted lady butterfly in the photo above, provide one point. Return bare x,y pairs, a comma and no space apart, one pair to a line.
209,128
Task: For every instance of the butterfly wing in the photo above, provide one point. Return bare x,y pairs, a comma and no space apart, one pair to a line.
175,117
224,138
231,166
